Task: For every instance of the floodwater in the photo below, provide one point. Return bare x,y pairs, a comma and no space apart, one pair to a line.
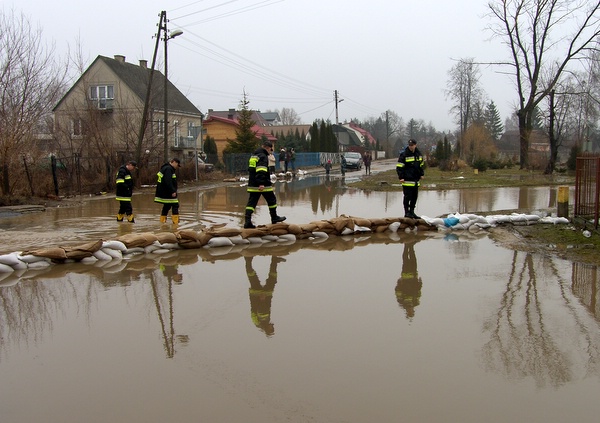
419,327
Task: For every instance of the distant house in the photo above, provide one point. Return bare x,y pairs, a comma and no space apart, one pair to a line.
365,136
100,115
223,129
509,145
348,138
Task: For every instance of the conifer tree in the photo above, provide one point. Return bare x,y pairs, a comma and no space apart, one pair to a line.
493,122
245,137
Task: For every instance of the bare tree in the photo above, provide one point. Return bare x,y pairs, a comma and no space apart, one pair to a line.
464,89
533,30
31,81
289,116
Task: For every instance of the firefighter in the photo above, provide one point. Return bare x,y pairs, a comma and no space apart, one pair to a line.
124,191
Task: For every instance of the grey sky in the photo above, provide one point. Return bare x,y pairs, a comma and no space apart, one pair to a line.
379,54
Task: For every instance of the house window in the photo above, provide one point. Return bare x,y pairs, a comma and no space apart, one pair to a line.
176,133
78,128
191,129
160,127
102,96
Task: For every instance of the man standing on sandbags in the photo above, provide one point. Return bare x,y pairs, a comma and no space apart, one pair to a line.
124,191
410,171
166,191
259,183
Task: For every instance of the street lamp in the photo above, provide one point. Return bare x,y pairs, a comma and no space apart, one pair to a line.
167,37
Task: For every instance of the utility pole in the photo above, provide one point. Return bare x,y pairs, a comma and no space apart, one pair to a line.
138,152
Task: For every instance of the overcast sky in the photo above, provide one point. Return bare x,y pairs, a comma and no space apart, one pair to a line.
379,54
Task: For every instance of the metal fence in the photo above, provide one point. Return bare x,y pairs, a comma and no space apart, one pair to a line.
237,164
587,188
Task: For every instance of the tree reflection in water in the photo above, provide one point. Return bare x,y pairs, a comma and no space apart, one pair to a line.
534,336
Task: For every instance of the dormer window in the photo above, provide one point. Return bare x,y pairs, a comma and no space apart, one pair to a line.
102,96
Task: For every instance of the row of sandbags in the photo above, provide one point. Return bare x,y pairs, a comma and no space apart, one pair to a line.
212,237
460,222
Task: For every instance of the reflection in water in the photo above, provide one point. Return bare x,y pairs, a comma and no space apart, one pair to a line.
408,288
262,295
526,342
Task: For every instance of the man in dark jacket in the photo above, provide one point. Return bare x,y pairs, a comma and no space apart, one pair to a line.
166,191
124,191
259,183
410,171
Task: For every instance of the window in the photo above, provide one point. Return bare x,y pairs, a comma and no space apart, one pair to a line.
78,128
160,127
190,129
176,133
102,96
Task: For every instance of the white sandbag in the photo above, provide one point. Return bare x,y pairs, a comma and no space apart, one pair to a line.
134,250
114,245
169,246
287,237
39,265
394,226
5,268
237,239
255,240
219,241
347,231
149,248
270,238
114,254
102,256
161,251
532,217
319,234
361,229
89,260
11,259
30,258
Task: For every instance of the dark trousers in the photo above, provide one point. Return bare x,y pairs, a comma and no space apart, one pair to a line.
410,198
253,198
169,206
125,207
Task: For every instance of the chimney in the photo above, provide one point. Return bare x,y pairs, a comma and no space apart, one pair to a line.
231,114
120,58
144,64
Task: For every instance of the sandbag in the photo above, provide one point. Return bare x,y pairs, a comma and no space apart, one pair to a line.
166,238
294,229
51,253
219,241
10,259
114,245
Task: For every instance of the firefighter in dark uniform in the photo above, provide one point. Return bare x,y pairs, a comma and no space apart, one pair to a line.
410,171
166,191
262,295
408,288
124,191
259,183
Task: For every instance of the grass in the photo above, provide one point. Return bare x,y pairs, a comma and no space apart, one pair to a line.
435,179
564,240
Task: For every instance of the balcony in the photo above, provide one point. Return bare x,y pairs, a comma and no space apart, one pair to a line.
184,143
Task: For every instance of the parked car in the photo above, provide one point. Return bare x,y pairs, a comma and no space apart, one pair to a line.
205,167
353,160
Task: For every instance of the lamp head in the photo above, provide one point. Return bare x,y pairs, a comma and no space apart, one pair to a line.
175,33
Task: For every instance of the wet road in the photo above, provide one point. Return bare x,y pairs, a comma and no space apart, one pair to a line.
420,327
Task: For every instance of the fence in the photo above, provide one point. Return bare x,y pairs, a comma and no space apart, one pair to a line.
587,188
237,164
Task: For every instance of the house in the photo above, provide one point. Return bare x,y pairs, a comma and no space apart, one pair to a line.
222,129
348,138
367,139
101,114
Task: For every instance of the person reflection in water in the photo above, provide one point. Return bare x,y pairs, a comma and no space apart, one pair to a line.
408,288
171,273
261,295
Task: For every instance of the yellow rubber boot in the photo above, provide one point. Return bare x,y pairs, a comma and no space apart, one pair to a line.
119,217
130,218
175,218
163,219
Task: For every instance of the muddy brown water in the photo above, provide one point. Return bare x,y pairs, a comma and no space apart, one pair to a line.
420,327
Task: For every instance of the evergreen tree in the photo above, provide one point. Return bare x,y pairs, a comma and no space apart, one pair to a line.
493,122
314,137
210,146
245,137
